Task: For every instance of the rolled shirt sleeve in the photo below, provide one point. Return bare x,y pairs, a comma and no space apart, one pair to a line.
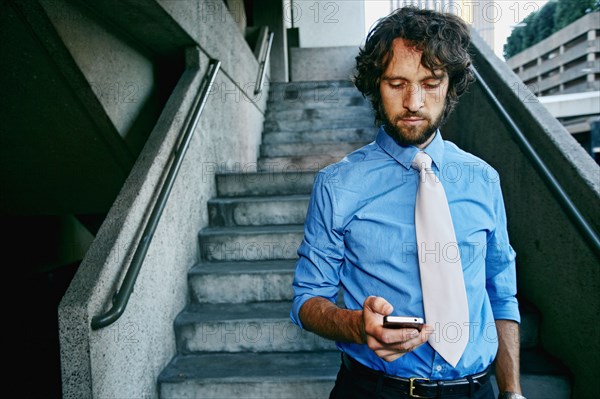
321,253
501,266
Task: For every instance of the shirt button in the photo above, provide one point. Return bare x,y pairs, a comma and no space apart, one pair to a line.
438,368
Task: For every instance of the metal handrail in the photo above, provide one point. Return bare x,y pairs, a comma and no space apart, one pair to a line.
121,297
263,66
563,199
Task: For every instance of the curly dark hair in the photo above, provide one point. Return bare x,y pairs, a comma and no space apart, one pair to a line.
442,38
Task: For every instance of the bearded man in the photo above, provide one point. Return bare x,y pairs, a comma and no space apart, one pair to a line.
411,225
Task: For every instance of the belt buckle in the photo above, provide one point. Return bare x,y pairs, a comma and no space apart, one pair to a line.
412,386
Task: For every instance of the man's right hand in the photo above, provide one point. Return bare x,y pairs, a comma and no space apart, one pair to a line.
389,344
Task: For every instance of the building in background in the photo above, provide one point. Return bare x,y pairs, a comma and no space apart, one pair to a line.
563,71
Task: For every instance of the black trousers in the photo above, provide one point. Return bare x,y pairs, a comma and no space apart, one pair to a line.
350,385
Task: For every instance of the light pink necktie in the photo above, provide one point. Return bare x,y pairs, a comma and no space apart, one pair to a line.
442,281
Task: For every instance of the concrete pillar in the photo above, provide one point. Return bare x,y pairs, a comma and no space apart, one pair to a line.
591,57
561,68
271,13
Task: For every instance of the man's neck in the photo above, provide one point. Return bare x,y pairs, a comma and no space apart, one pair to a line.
425,144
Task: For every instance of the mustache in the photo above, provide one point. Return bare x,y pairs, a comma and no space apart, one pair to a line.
410,115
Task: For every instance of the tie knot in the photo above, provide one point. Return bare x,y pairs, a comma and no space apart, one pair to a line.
421,161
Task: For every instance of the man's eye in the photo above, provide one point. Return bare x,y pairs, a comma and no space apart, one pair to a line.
397,86
431,86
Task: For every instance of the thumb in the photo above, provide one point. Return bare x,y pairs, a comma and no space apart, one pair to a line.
378,305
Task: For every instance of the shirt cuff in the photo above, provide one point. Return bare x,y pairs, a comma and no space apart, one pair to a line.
508,309
296,305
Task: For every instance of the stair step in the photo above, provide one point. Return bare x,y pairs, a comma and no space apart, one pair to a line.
250,375
243,327
250,243
325,135
257,211
300,163
287,182
316,96
273,86
309,148
325,114
321,99
287,90
317,124
239,282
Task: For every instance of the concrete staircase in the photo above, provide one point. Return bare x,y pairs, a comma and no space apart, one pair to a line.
235,339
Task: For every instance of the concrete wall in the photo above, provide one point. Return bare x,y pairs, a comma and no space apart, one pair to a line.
327,23
122,78
322,63
124,359
557,270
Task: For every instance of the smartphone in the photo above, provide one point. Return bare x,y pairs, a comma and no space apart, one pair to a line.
403,322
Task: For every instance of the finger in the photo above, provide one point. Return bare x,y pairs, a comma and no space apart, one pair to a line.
389,350
374,308
426,331
398,336
383,349
389,355
378,305
417,340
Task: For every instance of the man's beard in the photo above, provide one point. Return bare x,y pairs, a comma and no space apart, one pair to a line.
411,135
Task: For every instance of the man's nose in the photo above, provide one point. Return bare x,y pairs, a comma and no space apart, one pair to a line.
413,98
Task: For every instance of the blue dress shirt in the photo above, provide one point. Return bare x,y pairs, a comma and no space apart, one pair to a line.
359,236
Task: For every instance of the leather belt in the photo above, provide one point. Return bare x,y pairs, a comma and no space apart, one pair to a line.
420,387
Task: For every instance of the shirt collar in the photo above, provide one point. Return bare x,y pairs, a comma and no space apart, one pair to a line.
404,155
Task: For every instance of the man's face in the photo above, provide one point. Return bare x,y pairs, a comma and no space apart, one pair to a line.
413,97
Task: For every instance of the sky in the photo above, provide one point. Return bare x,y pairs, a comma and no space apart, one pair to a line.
505,14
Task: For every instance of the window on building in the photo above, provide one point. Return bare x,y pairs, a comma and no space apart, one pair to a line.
575,85
551,72
578,40
550,91
550,54
530,82
576,63
530,64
